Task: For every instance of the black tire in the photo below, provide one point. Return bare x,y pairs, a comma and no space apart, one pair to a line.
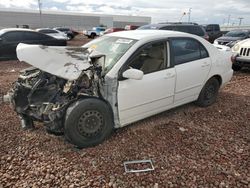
88,122
92,35
236,67
208,93
70,36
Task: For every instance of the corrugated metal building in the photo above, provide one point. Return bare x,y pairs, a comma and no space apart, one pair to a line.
11,18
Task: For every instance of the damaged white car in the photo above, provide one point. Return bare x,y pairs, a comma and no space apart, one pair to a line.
86,92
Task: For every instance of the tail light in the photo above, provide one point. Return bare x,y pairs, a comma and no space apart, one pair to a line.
233,58
206,37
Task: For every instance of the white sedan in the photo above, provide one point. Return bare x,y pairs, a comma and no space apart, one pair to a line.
116,80
53,33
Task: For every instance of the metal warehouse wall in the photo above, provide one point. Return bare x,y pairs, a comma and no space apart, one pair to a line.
79,21
123,24
11,19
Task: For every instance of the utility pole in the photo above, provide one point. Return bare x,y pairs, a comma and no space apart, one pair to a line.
240,20
40,12
189,14
228,19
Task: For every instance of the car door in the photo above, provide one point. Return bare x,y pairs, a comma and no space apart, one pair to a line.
9,44
152,94
38,38
192,64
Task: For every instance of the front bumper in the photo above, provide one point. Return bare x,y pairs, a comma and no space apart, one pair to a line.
245,59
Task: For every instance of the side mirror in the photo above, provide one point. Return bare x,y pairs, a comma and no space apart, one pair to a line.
134,74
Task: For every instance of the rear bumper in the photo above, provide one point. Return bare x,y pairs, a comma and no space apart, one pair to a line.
226,77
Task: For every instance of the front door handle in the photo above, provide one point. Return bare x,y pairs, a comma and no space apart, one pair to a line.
169,75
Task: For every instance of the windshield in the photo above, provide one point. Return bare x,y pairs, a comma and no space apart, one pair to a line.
236,34
1,32
112,47
146,27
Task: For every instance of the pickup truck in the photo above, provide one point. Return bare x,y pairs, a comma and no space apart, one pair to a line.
95,31
213,31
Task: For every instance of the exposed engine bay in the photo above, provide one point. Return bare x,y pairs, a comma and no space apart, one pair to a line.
40,96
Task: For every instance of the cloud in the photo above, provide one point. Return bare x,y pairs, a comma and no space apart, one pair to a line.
18,4
203,11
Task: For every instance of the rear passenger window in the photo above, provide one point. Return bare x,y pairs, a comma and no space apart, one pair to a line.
186,50
35,36
216,28
196,30
13,36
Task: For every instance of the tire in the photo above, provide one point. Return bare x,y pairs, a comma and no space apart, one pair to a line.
236,67
70,36
208,93
92,35
88,122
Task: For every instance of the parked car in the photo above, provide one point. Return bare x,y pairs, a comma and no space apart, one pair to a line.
94,32
241,56
191,28
232,37
111,30
131,27
71,33
213,31
10,38
53,33
116,80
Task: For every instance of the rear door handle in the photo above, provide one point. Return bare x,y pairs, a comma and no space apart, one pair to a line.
206,64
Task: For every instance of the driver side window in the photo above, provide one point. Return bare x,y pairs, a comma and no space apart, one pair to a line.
150,58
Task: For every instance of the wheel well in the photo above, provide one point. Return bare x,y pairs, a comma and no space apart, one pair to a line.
217,77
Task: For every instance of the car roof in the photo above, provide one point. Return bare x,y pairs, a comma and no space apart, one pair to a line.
159,25
15,29
143,34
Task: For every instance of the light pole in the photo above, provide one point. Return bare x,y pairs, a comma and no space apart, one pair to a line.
189,14
40,12
228,19
240,20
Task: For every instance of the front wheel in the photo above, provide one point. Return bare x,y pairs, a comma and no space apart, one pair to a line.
88,122
208,93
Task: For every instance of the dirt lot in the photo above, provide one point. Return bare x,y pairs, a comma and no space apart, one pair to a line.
189,146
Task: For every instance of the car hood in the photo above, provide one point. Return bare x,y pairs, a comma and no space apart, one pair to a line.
229,39
64,62
244,43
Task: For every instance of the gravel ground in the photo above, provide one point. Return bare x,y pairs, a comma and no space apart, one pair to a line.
189,146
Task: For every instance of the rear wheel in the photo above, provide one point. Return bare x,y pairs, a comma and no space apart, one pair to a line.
208,93
88,122
92,35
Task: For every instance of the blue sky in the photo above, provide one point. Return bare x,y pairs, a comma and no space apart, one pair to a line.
203,11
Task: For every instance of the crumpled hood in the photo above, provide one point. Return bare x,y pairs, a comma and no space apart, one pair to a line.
64,62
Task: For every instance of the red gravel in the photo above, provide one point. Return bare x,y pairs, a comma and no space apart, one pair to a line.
189,146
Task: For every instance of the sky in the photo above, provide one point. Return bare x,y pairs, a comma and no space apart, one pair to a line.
202,11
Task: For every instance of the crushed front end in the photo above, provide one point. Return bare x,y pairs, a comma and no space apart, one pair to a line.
41,96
